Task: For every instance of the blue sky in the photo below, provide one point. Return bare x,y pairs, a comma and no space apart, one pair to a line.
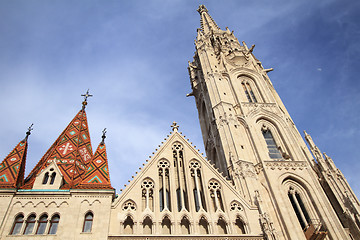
133,55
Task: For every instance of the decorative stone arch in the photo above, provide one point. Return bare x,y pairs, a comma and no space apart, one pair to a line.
204,225
221,224
185,224
147,189
270,129
236,206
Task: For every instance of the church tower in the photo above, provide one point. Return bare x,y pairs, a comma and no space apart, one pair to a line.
251,139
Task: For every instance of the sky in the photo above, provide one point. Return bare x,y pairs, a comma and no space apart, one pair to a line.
133,56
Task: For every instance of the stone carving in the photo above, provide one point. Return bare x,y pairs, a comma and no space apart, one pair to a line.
286,165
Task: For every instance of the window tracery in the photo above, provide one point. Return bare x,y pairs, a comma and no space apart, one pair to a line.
215,195
274,152
147,193
180,178
129,206
199,199
164,192
235,206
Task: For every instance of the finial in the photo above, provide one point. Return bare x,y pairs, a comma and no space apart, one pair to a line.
103,137
28,132
202,9
86,95
175,126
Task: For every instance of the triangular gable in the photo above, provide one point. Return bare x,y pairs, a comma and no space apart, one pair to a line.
12,168
150,171
97,175
71,152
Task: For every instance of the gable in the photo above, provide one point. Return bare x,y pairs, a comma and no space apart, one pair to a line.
178,179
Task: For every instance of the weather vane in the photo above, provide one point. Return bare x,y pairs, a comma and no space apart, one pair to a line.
86,96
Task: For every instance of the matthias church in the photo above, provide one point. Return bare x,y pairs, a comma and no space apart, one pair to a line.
260,179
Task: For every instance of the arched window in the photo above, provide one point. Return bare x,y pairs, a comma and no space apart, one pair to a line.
299,207
164,181
180,183
42,224
274,152
250,89
147,226
185,226
147,194
204,226
129,226
30,223
54,222
221,224
88,222
52,178
19,220
239,226
46,178
195,169
215,195
166,226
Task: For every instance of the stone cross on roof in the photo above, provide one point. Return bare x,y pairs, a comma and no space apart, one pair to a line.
175,126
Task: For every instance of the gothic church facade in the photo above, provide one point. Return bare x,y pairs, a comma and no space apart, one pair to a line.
259,180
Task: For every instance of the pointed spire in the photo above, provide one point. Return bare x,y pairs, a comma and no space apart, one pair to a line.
206,21
97,175
12,168
71,152
86,96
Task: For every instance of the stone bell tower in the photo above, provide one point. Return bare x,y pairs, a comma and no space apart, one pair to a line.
250,137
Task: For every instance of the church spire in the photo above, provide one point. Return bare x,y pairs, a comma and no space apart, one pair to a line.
207,22
97,175
12,168
71,151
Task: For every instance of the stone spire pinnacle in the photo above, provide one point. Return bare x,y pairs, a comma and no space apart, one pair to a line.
206,21
175,126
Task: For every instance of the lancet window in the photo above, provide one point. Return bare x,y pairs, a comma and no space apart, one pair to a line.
128,225
46,178
147,226
180,179
19,220
250,89
147,194
239,226
166,225
185,226
199,199
52,178
30,223
215,195
274,152
164,181
203,226
299,207
222,226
